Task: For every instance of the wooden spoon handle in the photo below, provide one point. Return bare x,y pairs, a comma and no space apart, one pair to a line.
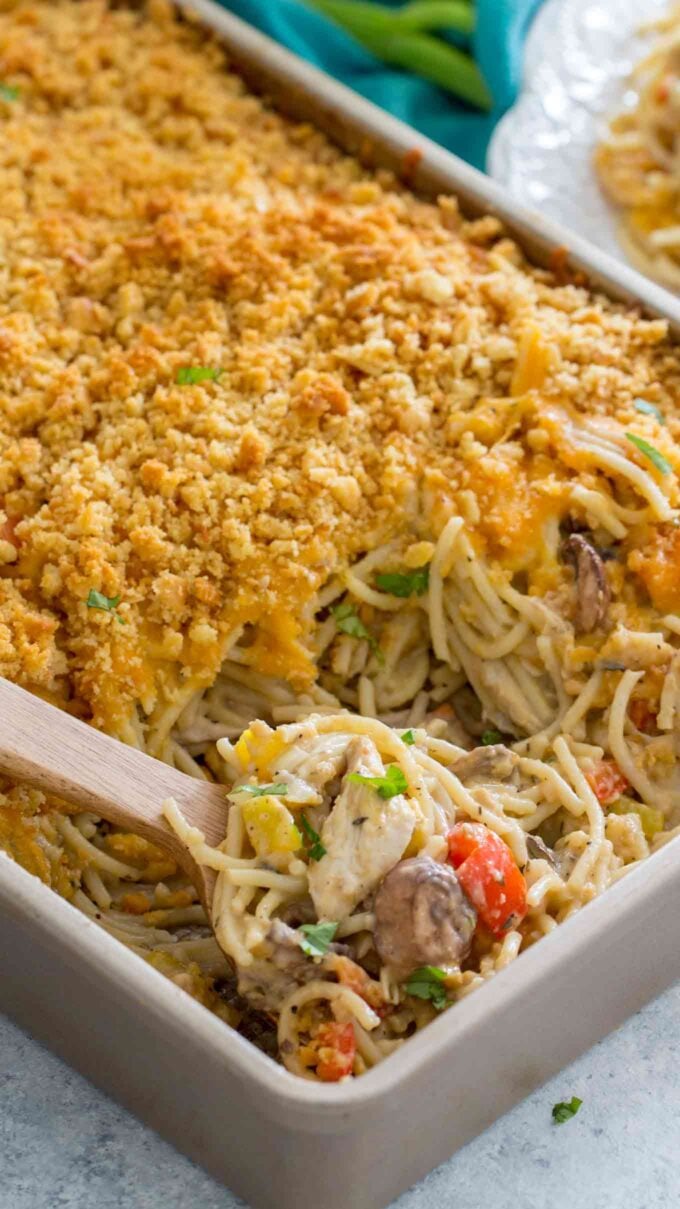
50,750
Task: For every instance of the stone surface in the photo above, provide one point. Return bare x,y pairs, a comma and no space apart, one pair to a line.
63,1145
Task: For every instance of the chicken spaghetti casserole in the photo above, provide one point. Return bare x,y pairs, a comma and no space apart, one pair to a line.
323,492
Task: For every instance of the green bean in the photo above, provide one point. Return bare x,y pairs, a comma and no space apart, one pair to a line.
440,63
396,37
364,20
457,15
362,16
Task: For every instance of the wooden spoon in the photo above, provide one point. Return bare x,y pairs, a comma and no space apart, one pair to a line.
48,749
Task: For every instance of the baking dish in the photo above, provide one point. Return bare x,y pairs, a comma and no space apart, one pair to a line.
284,1140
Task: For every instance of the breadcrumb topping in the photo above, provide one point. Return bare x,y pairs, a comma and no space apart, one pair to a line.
157,217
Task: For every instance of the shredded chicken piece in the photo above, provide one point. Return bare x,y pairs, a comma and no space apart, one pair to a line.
364,836
637,650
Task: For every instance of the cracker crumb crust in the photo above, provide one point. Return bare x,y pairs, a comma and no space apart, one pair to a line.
157,216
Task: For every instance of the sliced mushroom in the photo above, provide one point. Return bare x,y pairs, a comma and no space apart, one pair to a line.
280,968
592,589
422,917
493,762
539,850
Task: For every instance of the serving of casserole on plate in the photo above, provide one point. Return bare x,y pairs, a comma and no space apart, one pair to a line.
322,490
590,139
636,159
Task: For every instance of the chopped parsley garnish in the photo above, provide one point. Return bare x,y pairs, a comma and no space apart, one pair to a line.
564,1111
315,848
317,938
649,409
412,583
190,375
349,622
97,600
9,92
408,738
427,983
491,736
657,459
259,791
389,786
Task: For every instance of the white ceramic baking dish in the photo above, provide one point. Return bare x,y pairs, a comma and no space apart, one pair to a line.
278,1141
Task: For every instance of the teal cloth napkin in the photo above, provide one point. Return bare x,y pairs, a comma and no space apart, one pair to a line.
502,26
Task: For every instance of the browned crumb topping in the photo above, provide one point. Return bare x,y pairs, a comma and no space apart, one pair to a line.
155,216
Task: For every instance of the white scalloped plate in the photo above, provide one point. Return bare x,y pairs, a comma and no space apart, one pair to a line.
578,59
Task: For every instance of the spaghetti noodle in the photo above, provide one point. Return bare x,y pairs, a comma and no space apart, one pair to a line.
322,492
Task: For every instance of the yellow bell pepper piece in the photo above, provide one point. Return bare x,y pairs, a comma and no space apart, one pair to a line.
653,821
241,749
259,749
271,748
270,826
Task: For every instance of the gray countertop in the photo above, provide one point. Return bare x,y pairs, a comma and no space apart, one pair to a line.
63,1145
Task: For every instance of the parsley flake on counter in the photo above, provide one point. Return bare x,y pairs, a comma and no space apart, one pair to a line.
657,459
649,409
427,983
349,622
413,583
389,786
315,848
191,375
259,791
491,736
317,938
408,738
564,1111
107,604
9,92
